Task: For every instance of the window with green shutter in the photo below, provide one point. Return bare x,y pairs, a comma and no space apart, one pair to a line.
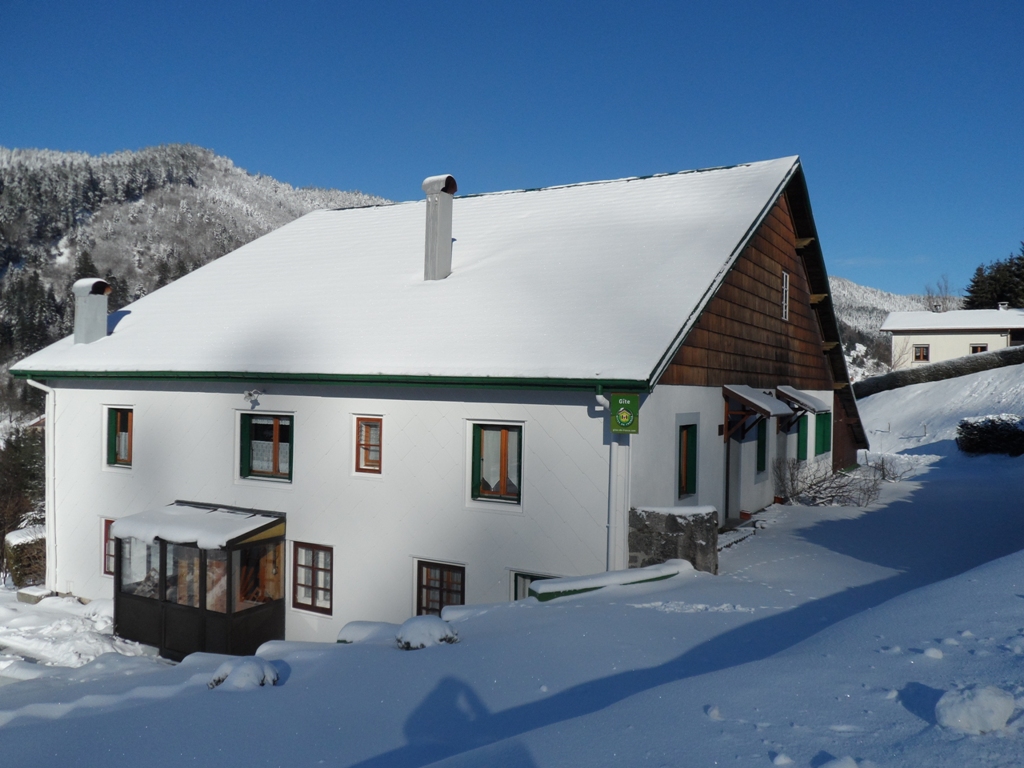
822,433
801,438
497,462
762,445
266,446
119,437
687,460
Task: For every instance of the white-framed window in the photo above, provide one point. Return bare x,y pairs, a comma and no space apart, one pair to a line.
977,348
922,353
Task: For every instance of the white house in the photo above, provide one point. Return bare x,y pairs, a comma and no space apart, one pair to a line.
336,422
919,338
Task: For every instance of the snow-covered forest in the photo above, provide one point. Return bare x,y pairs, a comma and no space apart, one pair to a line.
139,219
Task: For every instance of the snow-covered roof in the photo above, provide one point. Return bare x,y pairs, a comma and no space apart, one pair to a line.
955,320
208,528
808,402
761,402
594,281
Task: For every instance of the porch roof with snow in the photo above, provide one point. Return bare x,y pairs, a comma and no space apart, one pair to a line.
580,285
955,320
206,526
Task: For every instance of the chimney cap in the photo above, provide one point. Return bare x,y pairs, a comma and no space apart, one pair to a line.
1004,305
443,183
91,286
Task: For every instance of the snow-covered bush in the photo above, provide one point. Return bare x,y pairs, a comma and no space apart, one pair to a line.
366,631
975,709
999,433
814,484
25,555
243,674
425,631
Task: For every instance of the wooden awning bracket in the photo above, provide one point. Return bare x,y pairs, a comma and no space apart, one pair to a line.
732,426
803,242
787,423
817,298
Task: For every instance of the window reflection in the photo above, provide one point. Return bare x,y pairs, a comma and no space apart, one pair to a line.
140,568
257,574
182,575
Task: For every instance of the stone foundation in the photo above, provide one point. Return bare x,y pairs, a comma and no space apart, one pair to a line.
657,535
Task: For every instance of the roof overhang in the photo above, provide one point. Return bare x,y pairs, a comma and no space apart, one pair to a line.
203,526
801,400
760,402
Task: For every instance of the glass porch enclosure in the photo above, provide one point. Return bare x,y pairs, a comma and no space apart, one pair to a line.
193,578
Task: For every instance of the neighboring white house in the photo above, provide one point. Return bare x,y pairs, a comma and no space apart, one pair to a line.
919,338
336,422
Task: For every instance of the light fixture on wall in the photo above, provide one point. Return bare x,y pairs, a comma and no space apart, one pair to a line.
252,396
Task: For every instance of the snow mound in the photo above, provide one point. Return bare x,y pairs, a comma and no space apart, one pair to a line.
841,762
552,588
244,674
425,631
974,709
680,607
366,631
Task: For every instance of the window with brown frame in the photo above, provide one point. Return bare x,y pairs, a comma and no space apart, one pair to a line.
497,462
119,436
976,348
266,446
368,444
920,353
313,577
438,585
109,549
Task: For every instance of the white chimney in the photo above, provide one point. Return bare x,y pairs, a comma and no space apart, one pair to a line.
1004,305
90,309
438,261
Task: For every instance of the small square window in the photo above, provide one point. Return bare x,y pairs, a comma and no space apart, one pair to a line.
497,462
438,585
368,444
266,446
976,348
119,436
109,549
920,353
313,578
521,584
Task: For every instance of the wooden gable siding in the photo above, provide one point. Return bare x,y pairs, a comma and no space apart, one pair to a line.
740,337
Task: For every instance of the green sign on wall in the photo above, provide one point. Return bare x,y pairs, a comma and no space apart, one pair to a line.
625,414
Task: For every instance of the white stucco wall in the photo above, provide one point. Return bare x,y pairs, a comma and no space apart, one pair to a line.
945,345
185,446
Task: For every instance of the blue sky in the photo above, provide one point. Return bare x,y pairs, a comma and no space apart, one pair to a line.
909,117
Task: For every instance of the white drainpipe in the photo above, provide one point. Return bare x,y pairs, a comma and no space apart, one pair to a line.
613,528
49,434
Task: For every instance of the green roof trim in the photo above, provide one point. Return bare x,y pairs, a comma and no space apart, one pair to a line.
474,382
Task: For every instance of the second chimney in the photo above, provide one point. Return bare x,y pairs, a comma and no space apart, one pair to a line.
90,309
438,256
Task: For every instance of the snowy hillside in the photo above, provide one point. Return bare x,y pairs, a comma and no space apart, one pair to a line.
833,638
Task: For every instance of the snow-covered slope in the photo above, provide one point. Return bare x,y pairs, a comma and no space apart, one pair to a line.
866,308
923,414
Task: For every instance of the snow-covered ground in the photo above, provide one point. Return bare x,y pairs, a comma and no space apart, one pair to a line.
828,639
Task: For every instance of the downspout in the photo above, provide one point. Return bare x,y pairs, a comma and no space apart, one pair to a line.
602,402
613,484
51,482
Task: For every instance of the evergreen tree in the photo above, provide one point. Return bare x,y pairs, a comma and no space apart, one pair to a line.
999,281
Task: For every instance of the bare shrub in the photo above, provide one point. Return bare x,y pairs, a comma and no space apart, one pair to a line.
814,484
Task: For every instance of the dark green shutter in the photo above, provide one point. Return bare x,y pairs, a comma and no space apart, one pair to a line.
475,490
801,438
823,433
245,446
762,445
691,458
111,436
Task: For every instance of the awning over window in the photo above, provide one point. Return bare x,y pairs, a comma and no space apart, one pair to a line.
208,527
756,400
802,400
